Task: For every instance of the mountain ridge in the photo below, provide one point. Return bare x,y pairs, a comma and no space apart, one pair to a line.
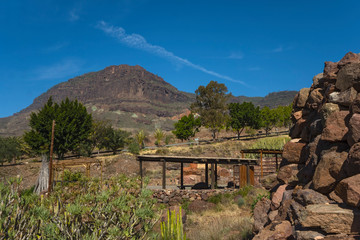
128,96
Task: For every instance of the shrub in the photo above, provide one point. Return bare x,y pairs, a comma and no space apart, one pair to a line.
240,202
216,199
119,209
134,147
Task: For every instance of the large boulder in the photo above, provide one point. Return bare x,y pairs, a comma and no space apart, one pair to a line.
335,127
277,197
300,99
288,174
293,150
330,70
354,129
261,209
308,235
269,181
328,170
349,57
317,80
349,76
344,98
308,196
327,109
276,231
349,190
331,218
315,98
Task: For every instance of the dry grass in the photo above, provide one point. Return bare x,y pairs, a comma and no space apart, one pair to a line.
228,222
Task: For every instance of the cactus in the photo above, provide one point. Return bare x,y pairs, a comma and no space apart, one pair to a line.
173,229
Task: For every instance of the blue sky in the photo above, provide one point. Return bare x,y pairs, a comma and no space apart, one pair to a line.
254,47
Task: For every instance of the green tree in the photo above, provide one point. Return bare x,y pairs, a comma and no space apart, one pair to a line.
140,138
284,115
115,139
244,115
98,134
10,149
73,126
187,127
269,118
159,135
211,104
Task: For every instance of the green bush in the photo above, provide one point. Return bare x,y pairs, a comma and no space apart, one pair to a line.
119,209
244,191
216,199
240,202
134,147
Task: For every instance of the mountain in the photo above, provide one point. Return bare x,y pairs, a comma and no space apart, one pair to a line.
272,100
128,96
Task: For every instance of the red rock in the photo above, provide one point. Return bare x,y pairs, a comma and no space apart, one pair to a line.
349,190
348,76
330,70
288,174
354,129
344,98
261,210
327,171
277,197
302,97
335,127
276,231
297,128
350,57
293,150
315,98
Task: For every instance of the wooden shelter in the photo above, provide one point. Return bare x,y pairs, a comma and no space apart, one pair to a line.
213,161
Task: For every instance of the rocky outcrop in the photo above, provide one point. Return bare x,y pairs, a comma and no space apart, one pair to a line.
321,164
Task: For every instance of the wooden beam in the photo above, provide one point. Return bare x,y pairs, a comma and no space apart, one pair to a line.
212,176
182,176
164,175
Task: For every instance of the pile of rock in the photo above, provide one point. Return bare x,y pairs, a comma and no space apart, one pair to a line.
177,197
319,192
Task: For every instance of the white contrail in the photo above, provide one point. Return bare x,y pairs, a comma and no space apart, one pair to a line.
139,42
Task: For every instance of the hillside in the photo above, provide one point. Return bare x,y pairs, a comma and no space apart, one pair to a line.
129,97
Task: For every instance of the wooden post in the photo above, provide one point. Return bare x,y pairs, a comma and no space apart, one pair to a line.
216,174
242,154
207,174
164,174
252,176
51,157
277,164
212,176
88,170
261,162
181,175
141,173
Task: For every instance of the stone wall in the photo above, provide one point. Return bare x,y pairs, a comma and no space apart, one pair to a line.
319,190
176,197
